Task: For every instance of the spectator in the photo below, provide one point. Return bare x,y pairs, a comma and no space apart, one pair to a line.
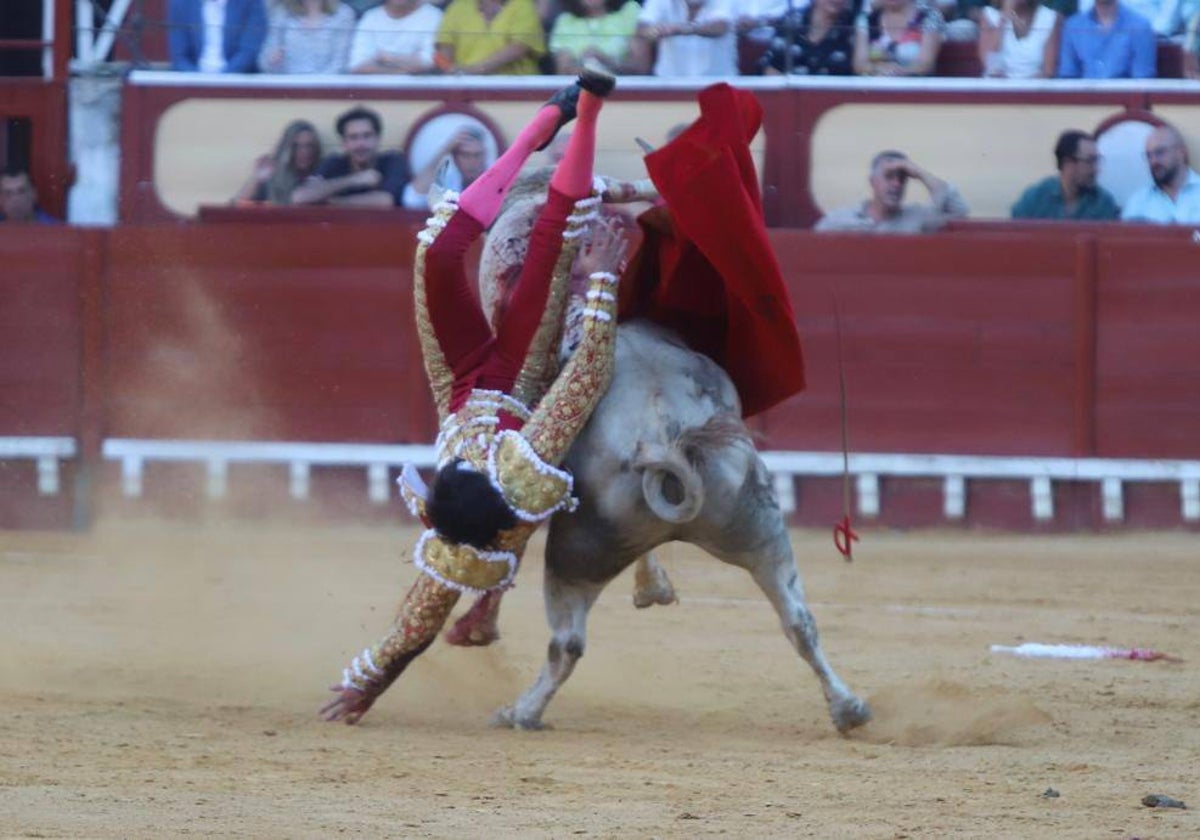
1073,193
1191,48
18,199
361,176
490,37
215,36
1174,197
1020,40
886,212
461,159
599,31
276,175
898,38
817,41
756,19
963,18
1107,42
687,38
307,36
396,37
1166,16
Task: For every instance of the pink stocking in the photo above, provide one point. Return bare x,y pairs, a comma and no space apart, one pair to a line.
482,200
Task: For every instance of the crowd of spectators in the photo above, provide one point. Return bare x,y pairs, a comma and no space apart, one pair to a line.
689,38
1171,197
1091,39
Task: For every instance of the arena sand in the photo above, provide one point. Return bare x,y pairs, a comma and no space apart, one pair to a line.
162,681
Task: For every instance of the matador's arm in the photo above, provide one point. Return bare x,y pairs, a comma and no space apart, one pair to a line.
568,404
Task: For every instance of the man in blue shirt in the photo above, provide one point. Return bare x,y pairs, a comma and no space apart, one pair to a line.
1174,197
1073,193
215,36
1108,42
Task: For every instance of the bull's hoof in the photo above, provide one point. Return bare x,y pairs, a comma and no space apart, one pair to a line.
506,718
466,633
648,597
850,713
651,585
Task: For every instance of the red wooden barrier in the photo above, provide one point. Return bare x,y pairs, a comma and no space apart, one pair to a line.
957,343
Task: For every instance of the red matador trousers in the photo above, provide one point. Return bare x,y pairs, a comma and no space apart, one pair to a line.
477,358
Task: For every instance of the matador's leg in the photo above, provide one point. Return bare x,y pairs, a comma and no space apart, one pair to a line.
551,250
454,333
423,612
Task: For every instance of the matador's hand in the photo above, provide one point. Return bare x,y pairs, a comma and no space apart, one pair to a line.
350,704
606,248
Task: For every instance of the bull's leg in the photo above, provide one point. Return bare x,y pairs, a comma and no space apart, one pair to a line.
479,625
780,580
567,605
650,583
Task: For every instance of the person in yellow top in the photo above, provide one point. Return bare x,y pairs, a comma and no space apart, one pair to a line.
507,420
490,37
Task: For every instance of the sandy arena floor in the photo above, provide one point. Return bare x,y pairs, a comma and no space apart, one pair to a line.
162,681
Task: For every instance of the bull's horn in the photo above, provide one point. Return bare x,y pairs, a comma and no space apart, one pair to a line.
617,191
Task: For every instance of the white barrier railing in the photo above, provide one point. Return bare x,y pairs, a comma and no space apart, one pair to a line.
46,451
377,459
867,469
956,470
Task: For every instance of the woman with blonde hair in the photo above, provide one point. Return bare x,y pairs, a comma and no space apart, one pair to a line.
307,36
275,175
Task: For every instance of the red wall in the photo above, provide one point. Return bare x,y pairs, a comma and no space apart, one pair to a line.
964,342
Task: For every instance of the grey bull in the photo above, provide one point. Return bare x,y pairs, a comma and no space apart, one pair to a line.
666,457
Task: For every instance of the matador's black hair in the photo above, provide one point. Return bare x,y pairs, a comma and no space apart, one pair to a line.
465,507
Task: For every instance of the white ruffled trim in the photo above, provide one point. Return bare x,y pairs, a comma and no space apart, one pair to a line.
598,314
487,556
435,223
581,230
600,294
606,277
496,401
568,502
361,672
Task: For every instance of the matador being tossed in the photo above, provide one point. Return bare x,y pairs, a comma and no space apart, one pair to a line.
502,434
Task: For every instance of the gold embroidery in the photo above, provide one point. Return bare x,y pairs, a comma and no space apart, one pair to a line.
464,567
533,489
569,403
541,361
421,615
441,379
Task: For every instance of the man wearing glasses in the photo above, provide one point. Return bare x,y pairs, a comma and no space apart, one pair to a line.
1073,194
1174,197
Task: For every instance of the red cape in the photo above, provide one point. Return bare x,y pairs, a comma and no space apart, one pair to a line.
705,267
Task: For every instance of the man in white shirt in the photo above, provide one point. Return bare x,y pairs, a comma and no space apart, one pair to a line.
886,212
396,37
691,38
1174,197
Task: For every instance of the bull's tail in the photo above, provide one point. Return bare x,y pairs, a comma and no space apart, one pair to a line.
671,481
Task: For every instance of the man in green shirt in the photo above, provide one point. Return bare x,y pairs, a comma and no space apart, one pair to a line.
1073,194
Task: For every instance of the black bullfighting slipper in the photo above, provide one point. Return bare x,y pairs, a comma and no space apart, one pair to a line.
565,100
596,80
